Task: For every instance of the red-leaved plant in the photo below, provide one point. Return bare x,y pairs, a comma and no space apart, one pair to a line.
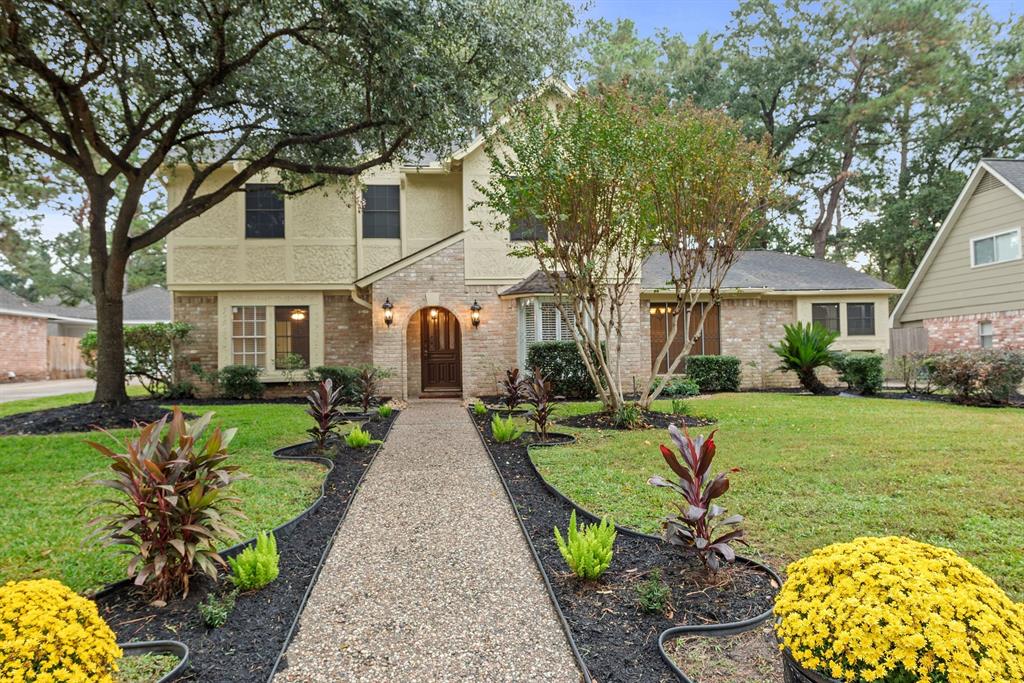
701,526
513,386
323,402
175,502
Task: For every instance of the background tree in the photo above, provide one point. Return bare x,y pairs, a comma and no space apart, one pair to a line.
118,93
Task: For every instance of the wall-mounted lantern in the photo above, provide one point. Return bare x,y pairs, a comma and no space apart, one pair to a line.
474,313
389,315
433,314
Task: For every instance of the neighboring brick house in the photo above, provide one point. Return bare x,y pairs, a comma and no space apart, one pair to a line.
39,340
393,274
968,291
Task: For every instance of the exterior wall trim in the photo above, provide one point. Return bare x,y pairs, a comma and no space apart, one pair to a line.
409,260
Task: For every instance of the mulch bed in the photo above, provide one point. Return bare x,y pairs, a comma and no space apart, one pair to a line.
246,647
82,417
616,638
652,419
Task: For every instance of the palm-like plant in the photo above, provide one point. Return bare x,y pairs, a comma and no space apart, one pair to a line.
804,349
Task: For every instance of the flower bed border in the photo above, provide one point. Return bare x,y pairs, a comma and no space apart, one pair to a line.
726,628
174,647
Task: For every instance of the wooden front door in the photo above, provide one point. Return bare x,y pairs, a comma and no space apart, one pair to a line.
440,353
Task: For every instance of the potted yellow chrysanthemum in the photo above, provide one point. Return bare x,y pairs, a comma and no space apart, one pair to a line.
892,610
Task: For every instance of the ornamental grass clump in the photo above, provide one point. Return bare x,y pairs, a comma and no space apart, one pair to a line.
50,633
894,610
701,526
587,549
257,565
173,505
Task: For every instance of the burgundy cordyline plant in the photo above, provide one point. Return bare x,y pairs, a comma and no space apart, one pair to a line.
513,385
323,402
701,526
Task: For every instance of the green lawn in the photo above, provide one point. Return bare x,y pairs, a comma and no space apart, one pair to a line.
816,470
45,502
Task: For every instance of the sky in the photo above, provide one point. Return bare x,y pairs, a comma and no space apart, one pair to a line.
688,17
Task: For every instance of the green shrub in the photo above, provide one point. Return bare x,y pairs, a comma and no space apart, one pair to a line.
714,373
587,550
681,386
862,372
984,376
653,594
804,349
384,412
628,416
359,438
240,381
342,377
479,408
148,355
561,363
256,565
215,610
913,371
680,407
505,430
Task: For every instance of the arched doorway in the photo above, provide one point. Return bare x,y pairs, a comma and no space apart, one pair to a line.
440,353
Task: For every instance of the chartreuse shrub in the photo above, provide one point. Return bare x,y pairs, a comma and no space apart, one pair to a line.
173,502
862,372
50,633
479,408
359,438
898,611
256,565
505,430
384,412
714,373
587,549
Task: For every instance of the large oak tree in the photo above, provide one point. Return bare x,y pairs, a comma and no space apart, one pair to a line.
118,91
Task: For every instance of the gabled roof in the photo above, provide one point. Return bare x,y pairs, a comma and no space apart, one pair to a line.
147,305
1010,172
412,258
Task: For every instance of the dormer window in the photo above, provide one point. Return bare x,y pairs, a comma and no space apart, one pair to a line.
264,212
382,212
1003,246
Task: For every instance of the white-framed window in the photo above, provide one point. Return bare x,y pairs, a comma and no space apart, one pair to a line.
249,335
985,334
997,248
541,321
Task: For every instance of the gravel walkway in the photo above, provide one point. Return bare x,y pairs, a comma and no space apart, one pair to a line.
430,578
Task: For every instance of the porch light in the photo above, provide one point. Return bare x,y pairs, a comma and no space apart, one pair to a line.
474,313
298,314
389,315
433,314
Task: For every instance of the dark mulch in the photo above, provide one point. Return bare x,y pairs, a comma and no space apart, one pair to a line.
82,417
245,648
652,420
619,641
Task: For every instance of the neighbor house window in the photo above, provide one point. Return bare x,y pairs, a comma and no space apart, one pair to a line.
528,229
264,212
707,343
860,319
996,248
985,334
826,315
249,335
382,212
291,337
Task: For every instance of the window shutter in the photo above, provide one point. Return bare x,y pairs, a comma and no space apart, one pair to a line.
529,324
548,321
567,324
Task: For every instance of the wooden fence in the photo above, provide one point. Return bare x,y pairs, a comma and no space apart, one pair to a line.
904,340
64,359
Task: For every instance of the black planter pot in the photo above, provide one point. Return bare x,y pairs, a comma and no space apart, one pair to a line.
705,631
160,647
794,673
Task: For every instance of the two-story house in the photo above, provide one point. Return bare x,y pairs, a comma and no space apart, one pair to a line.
401,275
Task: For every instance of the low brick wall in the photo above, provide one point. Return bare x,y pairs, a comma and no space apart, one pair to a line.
22,348
955,332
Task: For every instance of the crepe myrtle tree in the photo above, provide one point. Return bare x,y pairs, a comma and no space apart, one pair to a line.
314,91
709,192
571,171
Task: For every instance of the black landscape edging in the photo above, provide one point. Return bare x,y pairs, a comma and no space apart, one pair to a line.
160,647
536,560
719,629
327,549
707,630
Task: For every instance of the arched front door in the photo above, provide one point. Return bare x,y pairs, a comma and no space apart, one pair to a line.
440,353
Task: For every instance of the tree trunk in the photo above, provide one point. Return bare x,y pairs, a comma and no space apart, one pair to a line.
809,380
108,269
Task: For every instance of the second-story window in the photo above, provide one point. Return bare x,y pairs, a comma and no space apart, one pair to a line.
528,229
264,212
860,319
826,315
382,212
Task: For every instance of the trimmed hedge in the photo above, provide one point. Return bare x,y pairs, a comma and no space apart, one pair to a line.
561,363
680,386
714,373
862,372
240,382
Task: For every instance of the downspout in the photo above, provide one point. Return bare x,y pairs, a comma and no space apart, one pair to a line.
360,300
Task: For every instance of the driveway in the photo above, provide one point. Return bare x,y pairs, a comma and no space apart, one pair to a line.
50,387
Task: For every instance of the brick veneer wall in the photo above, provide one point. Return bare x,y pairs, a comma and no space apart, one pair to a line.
200,311
440,280
961,331
748,326
636,341
348,337
23,348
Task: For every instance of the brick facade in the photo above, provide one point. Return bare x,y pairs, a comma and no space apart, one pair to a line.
23,348
747,327
956,332
348,336
200,311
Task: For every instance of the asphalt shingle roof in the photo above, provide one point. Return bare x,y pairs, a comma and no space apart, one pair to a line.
1011,169
149,304
12,302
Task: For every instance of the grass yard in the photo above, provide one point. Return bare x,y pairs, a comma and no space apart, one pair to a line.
817,470
46,500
